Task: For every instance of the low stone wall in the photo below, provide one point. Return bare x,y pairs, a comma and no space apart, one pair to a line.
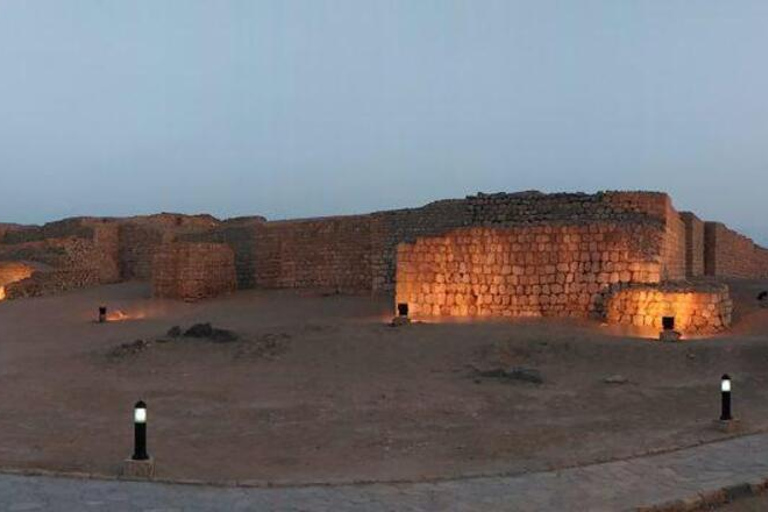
563,270
697,309
52,282
193,271
12,272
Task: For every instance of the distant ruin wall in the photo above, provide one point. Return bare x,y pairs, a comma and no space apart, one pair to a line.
193,271
700,309
331,252
240,236
674,250
563,270
390,228
730,254
137,247
694,244
538,208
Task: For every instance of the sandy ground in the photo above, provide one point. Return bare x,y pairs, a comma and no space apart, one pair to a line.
320,389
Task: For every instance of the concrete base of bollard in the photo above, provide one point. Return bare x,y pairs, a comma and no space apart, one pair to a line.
669,336
139,468
728,426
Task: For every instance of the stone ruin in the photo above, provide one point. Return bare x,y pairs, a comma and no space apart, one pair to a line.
522,254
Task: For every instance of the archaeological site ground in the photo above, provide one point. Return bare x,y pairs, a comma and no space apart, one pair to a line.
527,338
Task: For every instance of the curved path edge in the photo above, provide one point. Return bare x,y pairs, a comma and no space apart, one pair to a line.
682,480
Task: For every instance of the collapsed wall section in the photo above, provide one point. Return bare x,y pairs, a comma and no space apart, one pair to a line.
193,271
563,270
695,309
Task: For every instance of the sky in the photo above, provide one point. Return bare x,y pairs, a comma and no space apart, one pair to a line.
293,108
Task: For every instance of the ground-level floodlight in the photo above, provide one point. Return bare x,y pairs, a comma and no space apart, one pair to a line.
402,309
140,431
102,314
725,391
668,332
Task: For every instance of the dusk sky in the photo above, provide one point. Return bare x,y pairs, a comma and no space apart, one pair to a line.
304,108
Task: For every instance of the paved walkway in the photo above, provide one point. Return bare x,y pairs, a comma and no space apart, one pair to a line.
601,487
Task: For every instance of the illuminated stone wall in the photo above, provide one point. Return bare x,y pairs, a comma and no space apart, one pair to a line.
545,270
193,271
697,309
12,272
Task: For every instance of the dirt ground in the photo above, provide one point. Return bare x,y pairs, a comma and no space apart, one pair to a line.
319,389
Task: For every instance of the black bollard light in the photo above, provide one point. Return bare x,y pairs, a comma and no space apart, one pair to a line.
102,314
140,431
725,390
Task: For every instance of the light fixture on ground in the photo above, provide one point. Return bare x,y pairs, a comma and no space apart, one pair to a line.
668,332
102,314
140,431
402,314
140,464
725,392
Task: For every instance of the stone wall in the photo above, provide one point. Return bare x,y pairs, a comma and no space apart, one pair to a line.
193,271
674,251
536,208
329,252
240,235
390,228
700,309
552,270
694,244
140,237
11,272
730,254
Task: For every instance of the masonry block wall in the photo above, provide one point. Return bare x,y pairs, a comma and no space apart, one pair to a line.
328,252
193,271
12,272
696,309
526,208
240,234
562,270
358,252
694,246
730,254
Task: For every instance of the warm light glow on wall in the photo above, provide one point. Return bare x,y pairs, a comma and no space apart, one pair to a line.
12,272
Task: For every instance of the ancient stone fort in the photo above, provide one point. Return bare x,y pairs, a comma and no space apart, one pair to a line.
624,257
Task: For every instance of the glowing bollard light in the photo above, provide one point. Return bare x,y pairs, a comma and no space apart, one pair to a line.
140,465
102,314
727,423
402,315
140,431
725,392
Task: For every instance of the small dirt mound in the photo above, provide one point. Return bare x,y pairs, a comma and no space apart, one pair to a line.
269,346
129,349
207,331
517,373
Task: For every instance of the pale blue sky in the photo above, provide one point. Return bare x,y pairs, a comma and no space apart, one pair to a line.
301,108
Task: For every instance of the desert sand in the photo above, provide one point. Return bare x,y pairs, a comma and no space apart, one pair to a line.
319,388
